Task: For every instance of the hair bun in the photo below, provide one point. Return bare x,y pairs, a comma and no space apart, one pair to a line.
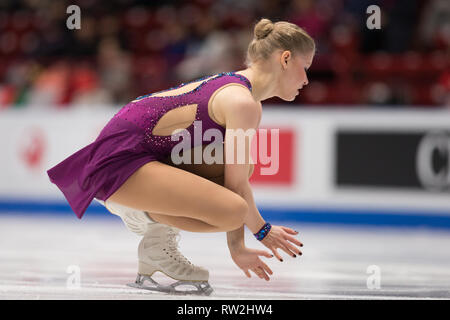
263,28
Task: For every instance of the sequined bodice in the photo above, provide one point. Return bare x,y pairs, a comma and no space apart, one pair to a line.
145,111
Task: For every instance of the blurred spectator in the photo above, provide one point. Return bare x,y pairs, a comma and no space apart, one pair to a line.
86,89
50,86
114,70
127,48
434,29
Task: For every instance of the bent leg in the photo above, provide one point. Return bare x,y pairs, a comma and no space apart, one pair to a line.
213,173
186,224
169,191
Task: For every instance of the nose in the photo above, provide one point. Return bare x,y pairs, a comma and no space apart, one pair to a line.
306,80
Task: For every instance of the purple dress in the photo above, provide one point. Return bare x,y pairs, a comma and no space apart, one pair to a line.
126,143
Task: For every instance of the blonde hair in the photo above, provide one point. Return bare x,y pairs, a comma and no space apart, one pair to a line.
269,36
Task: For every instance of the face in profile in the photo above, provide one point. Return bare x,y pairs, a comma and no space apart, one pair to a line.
294,77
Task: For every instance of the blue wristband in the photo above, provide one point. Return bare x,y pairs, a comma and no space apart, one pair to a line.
262,233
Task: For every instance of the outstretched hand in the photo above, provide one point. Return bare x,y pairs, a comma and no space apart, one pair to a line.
282,238
248,260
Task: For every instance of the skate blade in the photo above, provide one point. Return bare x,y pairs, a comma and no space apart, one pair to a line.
202,288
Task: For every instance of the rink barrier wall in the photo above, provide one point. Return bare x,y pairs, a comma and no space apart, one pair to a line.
280,215
336,165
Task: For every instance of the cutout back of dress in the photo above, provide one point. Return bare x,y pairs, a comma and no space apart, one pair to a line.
186,106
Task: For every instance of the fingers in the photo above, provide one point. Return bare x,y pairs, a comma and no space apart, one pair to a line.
261,273
275,252
247,273
285,241
264,254
292,250
282,247
289,230
266,268
288,248
294,241
288,251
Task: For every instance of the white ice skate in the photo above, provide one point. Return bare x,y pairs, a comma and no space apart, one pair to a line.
135,220
158,251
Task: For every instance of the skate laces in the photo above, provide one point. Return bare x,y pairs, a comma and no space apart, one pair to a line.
173,242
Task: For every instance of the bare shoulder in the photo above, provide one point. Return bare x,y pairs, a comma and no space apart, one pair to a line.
236,100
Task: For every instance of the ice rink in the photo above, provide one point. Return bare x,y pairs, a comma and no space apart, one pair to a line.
41,254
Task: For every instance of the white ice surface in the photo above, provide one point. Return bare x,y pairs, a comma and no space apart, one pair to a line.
36,251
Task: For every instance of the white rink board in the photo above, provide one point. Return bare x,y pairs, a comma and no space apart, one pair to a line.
50,136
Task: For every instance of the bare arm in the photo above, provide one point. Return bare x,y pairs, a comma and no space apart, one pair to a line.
242,119
235,239
253,220
242,115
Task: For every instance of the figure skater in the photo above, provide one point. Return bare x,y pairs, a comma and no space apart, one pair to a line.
130,169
